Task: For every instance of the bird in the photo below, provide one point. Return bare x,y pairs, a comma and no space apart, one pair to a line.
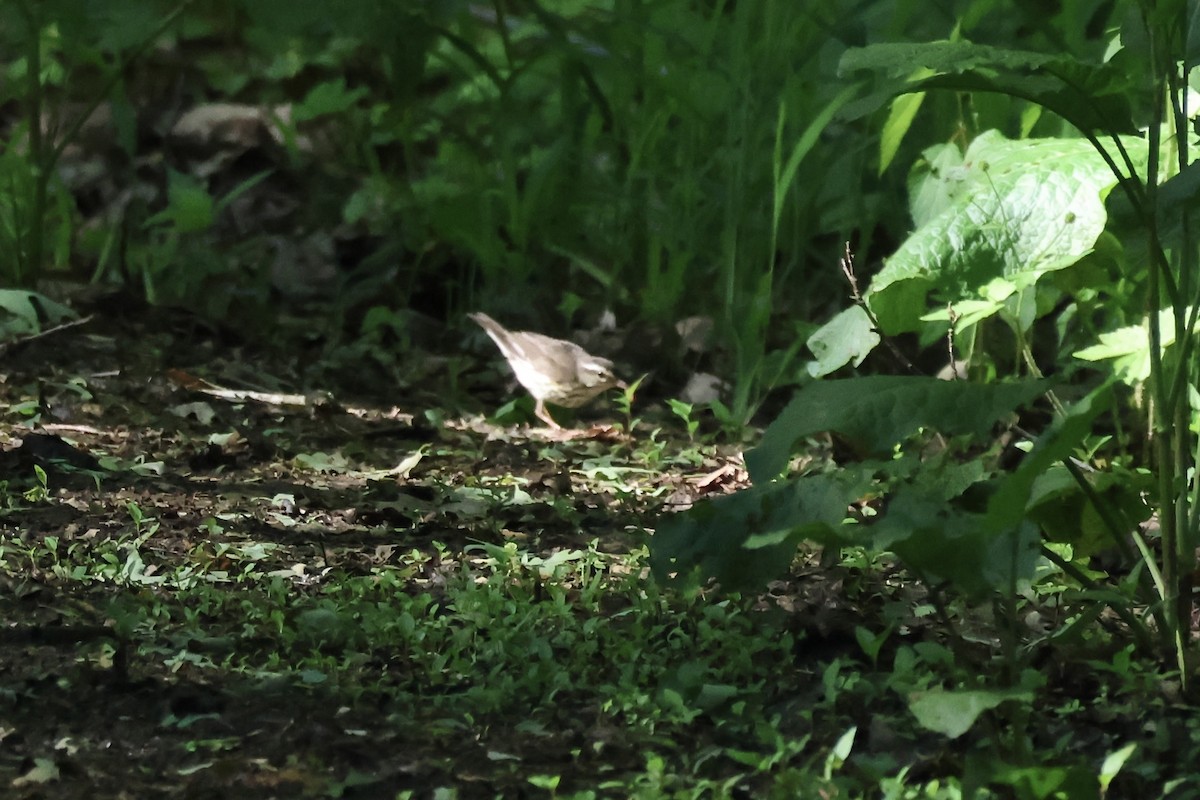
553,370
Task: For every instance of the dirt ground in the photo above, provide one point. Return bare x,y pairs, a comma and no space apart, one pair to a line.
147,447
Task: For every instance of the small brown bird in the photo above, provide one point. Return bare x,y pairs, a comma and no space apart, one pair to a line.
553,370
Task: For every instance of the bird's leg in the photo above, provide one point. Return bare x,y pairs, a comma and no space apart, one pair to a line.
544,415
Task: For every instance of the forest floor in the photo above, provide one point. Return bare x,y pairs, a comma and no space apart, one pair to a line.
209,595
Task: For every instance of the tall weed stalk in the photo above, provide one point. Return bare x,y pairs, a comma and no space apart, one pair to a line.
1172,281
27,218
990,239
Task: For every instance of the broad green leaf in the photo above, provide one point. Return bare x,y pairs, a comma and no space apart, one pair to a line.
844,745
127,25
1000,296
745,539
1005,209
44,770
1067,515
329,97
877,412
1179,200
901,58
316,625
1113,763
1091,96
1007,506
952,713
847,338
940,542
1077,782
29,311
1128,348
929,199
190,208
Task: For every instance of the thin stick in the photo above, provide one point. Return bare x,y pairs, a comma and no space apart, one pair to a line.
950,342
47,332
856,296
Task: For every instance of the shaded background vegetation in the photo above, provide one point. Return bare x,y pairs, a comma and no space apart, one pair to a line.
413,161
340,183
